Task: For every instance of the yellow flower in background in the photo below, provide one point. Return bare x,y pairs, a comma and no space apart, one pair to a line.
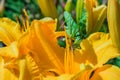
95,16
48,8
113,21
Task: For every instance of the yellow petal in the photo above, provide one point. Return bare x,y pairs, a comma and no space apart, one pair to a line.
103,47
84,74
1,68
69,57
24,73
97,49
32,68
95,16
100,14
43,46
98,38
89,8
10,51
9,75
6,74
106,52
9,30
107,72
62,77
22,44
86,54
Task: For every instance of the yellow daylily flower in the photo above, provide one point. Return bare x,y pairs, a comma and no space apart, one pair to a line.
44,59
48,8
113,21
53,61
95,16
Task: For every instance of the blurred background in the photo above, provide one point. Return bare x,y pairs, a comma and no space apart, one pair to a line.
13,8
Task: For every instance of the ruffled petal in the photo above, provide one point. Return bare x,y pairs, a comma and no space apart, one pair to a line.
86,54
103,47
43,46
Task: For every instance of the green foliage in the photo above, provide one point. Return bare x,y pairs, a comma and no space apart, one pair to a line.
104,28
100,1
82,24
62,42
72,28
14,8
115,61
74,1
76,31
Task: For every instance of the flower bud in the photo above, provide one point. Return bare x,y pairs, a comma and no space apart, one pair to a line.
95,16
48,8
114,21
69,6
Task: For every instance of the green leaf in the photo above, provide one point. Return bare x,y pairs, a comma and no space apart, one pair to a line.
71,27
82,24
62,42
100,1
